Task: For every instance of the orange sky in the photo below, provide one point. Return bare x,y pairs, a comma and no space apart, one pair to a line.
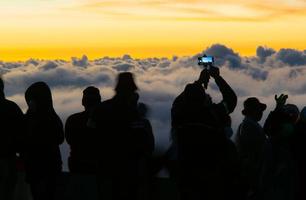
61,29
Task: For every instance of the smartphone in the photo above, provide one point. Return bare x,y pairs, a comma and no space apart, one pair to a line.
206,60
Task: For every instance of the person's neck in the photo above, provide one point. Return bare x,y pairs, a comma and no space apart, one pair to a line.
250,117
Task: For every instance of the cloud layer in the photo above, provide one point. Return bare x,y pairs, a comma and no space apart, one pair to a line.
161,79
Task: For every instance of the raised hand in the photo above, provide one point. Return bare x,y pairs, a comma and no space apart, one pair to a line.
280,100
214,71
204,77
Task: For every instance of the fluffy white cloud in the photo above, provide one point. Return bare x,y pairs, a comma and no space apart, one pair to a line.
160,80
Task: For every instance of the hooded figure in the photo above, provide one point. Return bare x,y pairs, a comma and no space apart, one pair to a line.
12,129
44,135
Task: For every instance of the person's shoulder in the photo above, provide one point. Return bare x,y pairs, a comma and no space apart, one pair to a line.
105,105
75,116
250,125
55,117
179,99
11,105
107,102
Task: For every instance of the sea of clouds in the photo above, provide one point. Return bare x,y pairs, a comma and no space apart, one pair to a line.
160,80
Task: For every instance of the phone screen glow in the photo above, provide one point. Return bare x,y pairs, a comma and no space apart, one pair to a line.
207,59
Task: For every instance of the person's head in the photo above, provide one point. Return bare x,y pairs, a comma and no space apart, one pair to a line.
196,95
91,97
291,113
38,97
253,108
125,83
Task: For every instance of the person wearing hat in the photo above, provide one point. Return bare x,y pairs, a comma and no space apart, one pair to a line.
250,142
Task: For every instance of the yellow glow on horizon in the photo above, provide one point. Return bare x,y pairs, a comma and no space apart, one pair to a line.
54,29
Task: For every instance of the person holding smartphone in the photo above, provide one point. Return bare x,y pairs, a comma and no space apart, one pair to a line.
198,128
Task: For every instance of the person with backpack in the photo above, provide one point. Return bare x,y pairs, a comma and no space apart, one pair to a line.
198,128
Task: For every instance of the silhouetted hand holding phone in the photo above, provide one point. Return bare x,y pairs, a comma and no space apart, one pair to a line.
207,73
214,71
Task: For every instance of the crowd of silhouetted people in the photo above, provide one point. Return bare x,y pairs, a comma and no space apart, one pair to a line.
113,141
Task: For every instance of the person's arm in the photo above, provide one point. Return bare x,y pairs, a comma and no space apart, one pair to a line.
273,120
228,94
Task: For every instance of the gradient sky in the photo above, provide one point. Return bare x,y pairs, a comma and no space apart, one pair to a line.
60,29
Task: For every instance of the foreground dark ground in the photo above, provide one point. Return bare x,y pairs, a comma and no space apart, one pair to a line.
77,187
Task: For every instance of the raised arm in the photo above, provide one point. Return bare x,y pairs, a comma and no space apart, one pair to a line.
229,97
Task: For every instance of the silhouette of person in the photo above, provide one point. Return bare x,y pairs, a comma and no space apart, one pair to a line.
123,140
83,159
250,142
81,138
280,127
12,126
146,139
299,155
44,135
198,126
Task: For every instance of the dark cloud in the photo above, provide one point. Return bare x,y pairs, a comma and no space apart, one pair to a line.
83,62
291,57
10,65
224,54
164,64
263,52
32,62
49,65
123,67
